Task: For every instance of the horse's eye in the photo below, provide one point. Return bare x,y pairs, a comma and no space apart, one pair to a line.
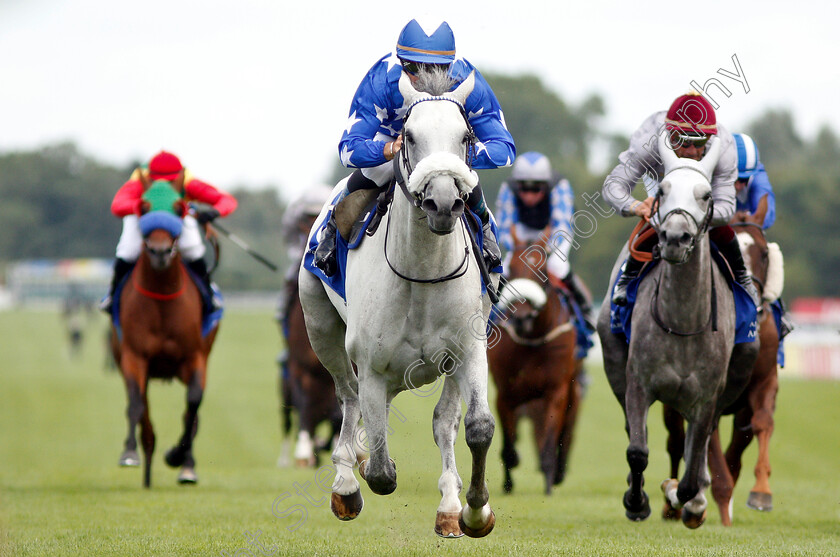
707,196
409,138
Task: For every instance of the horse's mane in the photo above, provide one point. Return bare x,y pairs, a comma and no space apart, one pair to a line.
433,79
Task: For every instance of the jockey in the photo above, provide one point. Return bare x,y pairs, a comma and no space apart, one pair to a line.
534,199
752,183
128,205
372,137
690,122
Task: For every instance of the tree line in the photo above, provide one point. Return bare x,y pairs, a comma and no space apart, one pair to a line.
56,199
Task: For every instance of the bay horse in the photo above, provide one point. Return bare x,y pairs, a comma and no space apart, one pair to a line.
161,338
753,411
533,363
415,309
682,348
309,387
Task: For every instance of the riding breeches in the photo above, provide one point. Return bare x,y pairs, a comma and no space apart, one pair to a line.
190,243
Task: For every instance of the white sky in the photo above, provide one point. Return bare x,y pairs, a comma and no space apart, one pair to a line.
257,91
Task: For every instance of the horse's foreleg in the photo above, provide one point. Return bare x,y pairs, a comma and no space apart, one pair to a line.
675,426
379,472
636,404
147,437
447,418
477,518
763,404
510,458
181,454
576,391
690,492
134,412
722,482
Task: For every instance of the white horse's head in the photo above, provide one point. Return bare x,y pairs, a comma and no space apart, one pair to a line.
437,143
685,200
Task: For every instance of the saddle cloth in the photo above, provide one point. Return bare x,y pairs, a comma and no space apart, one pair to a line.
746,323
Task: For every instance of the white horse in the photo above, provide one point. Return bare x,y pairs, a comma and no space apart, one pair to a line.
402,328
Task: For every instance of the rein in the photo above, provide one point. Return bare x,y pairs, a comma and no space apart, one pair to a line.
459,271
158,295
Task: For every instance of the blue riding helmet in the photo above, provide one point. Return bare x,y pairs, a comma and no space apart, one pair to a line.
747,155
531,167
415,45
156,220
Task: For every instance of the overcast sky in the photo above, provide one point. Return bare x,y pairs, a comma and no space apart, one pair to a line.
257,92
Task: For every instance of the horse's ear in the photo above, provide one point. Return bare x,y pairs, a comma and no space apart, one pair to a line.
407,90
513,235
669,157
178,182
144,178
463,91
710,159
761,211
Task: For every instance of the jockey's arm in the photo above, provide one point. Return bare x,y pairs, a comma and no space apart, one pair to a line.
723,180
358,147
642,155
196,190
759,188
127,199
494,145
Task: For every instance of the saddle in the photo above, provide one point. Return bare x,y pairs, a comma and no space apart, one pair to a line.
354,211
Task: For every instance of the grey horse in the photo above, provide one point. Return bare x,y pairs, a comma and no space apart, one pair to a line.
414,306
681,351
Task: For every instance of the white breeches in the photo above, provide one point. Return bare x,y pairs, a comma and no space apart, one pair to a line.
190,243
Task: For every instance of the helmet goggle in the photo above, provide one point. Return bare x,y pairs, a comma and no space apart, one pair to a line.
414,68
688,140
531,186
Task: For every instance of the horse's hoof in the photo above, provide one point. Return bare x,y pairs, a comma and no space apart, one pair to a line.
447,525
305,462
476,532
508,486
692,520
347,507
760,501
385,487
187,476
175,457
639,512
669,512
130,458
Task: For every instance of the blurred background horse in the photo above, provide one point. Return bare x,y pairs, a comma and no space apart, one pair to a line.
533,364
158,335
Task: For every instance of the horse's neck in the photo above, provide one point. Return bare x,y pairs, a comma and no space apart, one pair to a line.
685,290
417,251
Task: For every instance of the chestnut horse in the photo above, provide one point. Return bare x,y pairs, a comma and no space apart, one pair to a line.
753,411
161,338
533,364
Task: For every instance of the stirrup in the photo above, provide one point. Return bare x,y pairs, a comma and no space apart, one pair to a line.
324,256
619,296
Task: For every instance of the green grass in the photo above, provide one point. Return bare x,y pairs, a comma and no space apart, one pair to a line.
62,425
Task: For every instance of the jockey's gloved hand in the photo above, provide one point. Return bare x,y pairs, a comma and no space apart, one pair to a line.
204,216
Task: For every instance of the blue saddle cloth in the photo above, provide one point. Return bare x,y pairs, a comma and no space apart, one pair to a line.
208,321
342,247
746,322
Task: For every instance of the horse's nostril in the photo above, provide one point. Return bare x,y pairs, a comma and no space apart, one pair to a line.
685,238
429,205
458,206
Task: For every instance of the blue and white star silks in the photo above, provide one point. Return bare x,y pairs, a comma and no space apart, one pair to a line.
377,108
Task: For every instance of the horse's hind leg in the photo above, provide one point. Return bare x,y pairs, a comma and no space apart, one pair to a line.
447,418
567,432
636,502
477,518
326,334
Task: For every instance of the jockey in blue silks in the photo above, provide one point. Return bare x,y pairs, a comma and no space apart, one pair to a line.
372,137
752,183
539,203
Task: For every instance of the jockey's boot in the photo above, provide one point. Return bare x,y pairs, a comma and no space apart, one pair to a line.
630,270
324,255
492,253
580,294
732,252
211,303
121,268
